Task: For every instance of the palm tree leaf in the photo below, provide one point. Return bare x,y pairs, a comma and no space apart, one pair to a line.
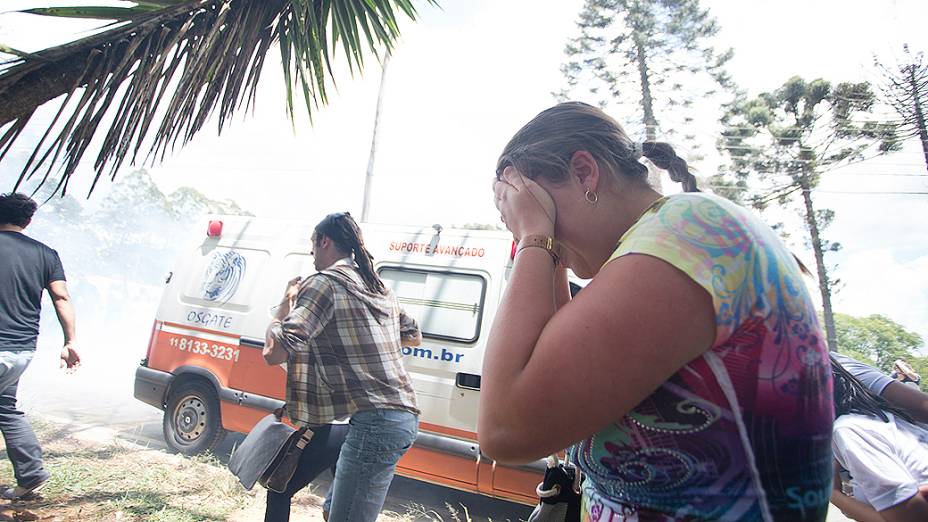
16,52
155,79
96,13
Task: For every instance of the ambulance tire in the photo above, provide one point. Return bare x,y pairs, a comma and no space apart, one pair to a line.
191,422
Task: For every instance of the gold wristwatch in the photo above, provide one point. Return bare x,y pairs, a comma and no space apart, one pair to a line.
548,243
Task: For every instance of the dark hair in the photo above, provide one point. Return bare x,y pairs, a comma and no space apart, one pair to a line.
343,230
16,209
852,396
544,146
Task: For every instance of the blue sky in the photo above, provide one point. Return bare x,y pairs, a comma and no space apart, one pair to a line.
467,76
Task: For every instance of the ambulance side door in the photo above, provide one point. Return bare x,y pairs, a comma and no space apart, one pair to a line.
448,305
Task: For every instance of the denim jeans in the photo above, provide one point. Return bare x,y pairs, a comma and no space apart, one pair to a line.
376,441
319,455
21,445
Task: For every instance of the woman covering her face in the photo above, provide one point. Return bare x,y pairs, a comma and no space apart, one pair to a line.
690,375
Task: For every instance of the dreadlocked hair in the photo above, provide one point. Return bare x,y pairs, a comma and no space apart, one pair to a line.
344,231
852,396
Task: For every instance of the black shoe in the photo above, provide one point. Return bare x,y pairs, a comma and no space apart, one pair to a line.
24,493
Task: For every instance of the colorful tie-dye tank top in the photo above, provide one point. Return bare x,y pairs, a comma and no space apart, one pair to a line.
744,431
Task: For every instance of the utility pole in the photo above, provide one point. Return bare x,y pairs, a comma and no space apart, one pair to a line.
369,180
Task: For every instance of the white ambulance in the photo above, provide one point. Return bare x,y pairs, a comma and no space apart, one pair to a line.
204,367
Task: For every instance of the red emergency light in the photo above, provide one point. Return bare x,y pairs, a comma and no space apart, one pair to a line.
214,229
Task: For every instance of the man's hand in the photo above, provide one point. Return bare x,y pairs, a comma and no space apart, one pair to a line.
293,289
69,357
289,300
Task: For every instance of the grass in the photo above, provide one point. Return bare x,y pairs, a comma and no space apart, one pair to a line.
116,481
420,512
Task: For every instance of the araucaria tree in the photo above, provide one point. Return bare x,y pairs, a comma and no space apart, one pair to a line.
650,58
906,90
782,142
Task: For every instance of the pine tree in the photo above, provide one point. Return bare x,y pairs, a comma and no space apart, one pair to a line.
652,54
781,143
906,90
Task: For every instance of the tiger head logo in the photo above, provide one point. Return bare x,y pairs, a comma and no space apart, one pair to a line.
223,274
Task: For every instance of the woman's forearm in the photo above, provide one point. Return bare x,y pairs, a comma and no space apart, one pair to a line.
912,510
855,509
561,287
527,306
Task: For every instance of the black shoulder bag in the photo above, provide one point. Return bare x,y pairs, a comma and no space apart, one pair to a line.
269,454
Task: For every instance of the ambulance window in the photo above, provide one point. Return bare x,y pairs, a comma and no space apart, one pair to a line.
294,264
224,278
446,305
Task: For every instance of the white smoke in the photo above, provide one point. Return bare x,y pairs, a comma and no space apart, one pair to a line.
117,251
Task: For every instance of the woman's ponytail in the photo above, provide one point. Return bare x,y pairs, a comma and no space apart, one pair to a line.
663,155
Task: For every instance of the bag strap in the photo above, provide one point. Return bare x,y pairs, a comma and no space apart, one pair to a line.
305,438
306,435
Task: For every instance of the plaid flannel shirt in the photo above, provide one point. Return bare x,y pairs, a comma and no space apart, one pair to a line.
344,349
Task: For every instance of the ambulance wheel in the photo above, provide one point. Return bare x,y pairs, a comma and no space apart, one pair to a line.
191,420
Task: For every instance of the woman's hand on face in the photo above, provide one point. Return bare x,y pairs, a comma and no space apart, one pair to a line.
525,207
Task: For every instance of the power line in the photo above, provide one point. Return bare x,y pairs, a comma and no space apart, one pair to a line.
773,190
868,193
884,174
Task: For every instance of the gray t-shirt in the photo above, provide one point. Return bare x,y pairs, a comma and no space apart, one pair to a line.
872,378
26,269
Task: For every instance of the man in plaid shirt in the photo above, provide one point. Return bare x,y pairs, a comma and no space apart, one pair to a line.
341,332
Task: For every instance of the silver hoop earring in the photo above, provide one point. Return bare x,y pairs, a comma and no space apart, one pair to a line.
591,197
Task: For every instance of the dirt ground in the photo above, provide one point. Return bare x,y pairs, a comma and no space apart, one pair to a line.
96,477
99,477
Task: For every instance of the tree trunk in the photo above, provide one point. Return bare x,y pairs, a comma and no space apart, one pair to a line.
647,103
369,179
647,106
824,284
919,114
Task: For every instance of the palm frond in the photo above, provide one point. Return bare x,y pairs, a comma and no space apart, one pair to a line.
159,73
95,12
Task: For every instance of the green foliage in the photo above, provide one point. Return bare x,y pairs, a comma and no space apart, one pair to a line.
877,339
780,143
650,56
211,52
920,365
905,88
783,140
95,12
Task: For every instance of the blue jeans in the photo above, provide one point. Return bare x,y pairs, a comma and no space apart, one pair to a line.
376,441
21,445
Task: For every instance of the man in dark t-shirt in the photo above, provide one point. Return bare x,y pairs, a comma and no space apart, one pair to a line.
27,267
